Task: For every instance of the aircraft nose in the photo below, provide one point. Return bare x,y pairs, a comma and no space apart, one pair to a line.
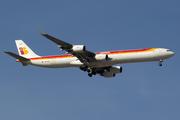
171,53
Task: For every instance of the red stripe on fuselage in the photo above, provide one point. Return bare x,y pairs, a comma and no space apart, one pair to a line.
52,57
108,53
125,51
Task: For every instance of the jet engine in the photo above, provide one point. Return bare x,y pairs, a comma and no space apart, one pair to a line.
101,57
78,48
115,69
107,74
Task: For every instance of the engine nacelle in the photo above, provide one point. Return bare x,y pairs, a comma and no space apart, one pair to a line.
78,48
115,69
101,57
107,74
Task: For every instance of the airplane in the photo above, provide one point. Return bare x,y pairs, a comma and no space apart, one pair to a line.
102,63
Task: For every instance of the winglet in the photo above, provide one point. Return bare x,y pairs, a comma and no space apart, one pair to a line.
42,33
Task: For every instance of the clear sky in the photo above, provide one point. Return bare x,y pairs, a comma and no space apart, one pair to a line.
144,91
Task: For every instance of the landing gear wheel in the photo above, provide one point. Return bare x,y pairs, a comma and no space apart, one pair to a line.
160,60
160,64
90,75
94,73
83,68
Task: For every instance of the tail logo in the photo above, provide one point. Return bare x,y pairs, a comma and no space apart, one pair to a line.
23,50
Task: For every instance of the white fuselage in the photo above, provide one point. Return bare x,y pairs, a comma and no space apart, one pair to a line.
117,57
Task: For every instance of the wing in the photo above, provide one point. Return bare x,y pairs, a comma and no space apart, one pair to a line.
62,44
84,56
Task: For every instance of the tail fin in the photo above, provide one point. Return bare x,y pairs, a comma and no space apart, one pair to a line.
24,50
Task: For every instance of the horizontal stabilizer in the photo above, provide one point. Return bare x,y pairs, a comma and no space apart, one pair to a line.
17,56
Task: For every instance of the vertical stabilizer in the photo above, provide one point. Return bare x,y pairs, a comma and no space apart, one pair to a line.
24,50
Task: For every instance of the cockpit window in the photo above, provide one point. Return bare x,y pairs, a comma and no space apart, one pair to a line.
168,50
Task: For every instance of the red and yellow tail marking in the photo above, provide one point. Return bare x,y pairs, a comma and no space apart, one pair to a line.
23,50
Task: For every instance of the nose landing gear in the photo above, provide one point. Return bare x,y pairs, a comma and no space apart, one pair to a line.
160,62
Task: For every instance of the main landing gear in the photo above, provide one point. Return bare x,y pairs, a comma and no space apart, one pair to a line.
90,75
160,62
83,68
89,70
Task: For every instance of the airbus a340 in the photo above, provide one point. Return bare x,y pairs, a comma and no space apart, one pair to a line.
93,62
